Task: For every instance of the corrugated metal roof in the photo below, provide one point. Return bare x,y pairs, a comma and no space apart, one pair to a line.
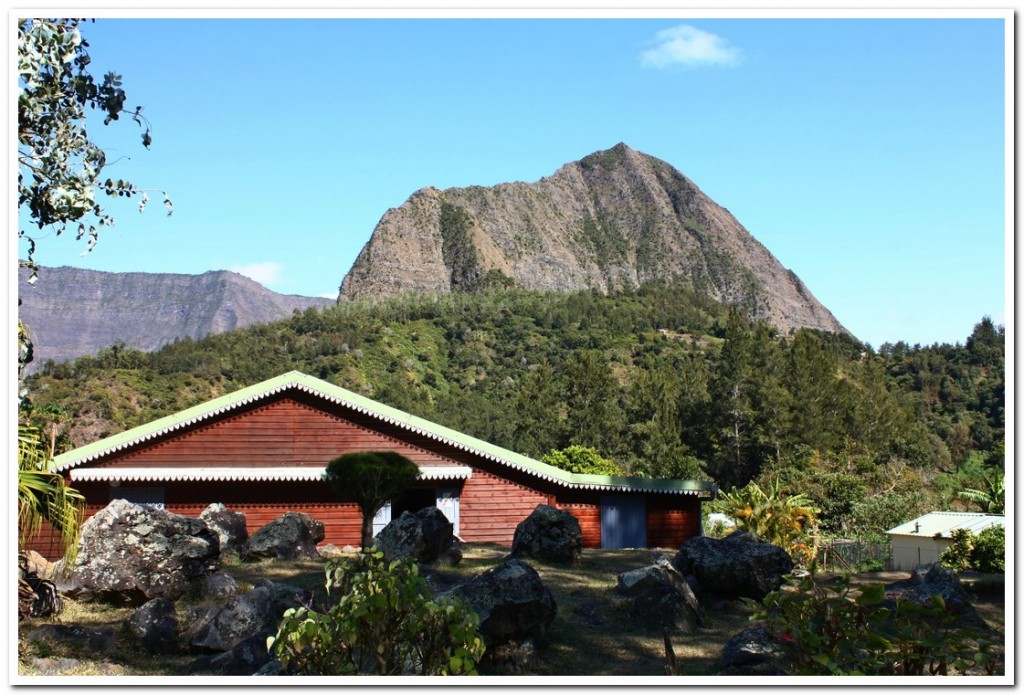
252,473
942,524
384,413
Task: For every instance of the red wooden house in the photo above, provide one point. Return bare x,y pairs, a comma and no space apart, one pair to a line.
263,450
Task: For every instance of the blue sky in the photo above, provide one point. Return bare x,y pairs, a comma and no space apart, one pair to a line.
868,155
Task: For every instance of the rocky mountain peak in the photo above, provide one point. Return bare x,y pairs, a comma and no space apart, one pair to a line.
612,220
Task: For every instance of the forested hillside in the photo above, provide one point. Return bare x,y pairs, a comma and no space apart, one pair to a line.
662,381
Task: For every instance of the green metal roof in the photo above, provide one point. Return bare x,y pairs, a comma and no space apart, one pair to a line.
384,413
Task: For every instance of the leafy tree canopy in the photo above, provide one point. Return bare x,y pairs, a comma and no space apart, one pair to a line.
370,479
581,459
59,166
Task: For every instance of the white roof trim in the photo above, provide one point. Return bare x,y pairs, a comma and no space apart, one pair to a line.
445,472
264,473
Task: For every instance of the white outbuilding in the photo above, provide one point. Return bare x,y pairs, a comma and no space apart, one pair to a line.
921,541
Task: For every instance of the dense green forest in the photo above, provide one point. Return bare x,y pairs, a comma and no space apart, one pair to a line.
660,380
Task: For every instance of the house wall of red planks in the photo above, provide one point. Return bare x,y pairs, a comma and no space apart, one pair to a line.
296,429
672,520
491,507
285,432
589,516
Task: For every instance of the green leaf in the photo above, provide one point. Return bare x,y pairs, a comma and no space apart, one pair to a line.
871,595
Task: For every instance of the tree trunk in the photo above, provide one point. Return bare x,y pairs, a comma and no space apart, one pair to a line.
367,529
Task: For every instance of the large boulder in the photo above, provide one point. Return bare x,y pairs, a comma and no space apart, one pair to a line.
754,652
935,580
739,565
218,586
244,659
256,613
129,554
662,599
548,534
155,626
511,600
292,536
229,526
426,536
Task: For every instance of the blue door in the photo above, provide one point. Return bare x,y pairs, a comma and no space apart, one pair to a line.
623,522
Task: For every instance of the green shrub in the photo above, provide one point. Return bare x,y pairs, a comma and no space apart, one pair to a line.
984,553
581,459
832,629
871,565
989,554
384,622
787,521
957,556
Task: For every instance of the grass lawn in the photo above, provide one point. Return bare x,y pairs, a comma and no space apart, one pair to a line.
593,634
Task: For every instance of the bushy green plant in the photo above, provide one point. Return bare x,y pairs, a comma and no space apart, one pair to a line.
784,520
985,552
581,459
957,556
989,554
383,622
870,565
834,629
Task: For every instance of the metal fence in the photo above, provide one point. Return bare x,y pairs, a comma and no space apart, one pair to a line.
847,555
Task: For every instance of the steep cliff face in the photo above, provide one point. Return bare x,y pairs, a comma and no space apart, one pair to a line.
73,312
612,220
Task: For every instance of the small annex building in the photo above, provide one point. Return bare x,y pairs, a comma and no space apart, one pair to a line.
921,541
263,450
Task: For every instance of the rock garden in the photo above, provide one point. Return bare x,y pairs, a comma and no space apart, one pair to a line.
153,593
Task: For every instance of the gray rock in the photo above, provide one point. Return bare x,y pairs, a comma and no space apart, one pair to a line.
661,597
426,536
129,554
549,534
739,565
229,526
256,613
329,551
244,659
219,585
511,600
155,625
292,536
512,658
753,652
272,668
936,580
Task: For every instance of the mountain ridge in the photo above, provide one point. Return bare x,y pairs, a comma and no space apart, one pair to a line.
73,312
615,219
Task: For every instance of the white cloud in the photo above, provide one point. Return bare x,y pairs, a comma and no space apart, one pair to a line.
689,46
263,273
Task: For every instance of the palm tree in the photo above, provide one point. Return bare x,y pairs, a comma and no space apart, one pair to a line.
44,495
776,518
991,500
